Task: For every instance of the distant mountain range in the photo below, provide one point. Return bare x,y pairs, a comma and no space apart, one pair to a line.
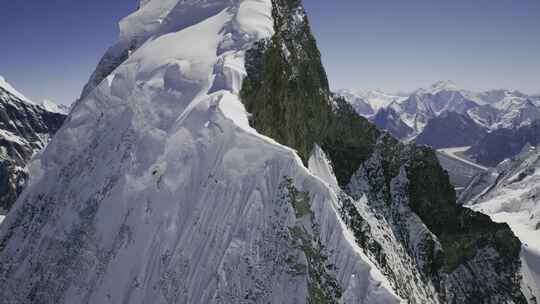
504,143
496,123
369,102
407,117
451,129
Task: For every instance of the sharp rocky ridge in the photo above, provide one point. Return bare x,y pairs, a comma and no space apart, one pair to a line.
161,188
25,129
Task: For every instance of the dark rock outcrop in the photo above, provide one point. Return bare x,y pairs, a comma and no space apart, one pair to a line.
504,143
24,130
407,189
451,130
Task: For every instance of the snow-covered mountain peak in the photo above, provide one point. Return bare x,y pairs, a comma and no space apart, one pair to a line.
368,102
158,189
439,86
492,109
10,89
187,203
54,107
383,98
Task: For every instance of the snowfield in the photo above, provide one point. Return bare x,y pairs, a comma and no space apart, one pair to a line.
187,203
510,194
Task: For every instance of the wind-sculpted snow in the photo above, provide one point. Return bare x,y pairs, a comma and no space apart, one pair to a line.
157,190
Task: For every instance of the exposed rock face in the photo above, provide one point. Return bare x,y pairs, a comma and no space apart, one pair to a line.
504,143
451,130
510,193
461,173
389,120
157,190
396,198
25,129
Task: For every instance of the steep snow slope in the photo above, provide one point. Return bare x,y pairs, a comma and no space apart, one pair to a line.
25,129
187,203
161,188
510,194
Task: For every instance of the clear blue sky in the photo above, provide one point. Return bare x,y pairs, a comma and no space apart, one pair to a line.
49,48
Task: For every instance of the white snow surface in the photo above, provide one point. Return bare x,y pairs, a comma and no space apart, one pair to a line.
321,166
437,87
54,107
8,87
514,198
178,196
369,102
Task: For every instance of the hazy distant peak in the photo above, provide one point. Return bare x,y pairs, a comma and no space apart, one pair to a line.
439,86
54,107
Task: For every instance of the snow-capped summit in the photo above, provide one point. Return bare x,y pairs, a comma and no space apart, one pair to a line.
505,109
158,190
425,104
437,87
492,97
368,102
54,107
162,188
